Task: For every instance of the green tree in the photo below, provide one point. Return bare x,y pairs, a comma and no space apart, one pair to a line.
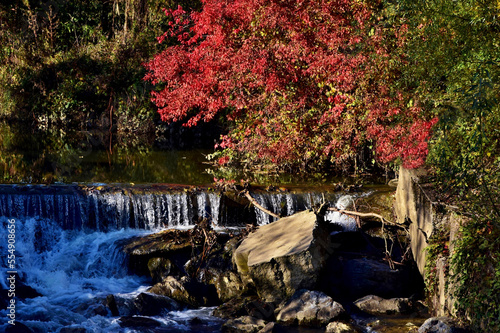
452,65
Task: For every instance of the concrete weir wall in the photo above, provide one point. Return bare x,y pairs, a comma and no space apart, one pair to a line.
416,206
413,206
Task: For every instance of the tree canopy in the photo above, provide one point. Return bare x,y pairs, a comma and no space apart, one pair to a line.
303,82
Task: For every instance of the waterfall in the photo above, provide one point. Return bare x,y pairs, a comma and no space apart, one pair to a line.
285,204
74,271
108,209
69,244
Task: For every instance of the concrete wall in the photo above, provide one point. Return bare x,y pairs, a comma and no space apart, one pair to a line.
416,206
413,206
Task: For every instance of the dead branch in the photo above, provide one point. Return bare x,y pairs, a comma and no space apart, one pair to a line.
373,215
256,204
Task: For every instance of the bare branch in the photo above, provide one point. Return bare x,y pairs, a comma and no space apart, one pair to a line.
357,214
256,204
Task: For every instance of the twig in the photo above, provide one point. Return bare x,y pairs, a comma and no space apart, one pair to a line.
256,204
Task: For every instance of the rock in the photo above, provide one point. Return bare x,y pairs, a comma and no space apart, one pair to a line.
218,273
338,327
228,285
353,277
284,256
18,328
246,306
25,291
159,244
269,328
91,308
172,244
97,310
376,305
273,327
151,305
138,322
120,306
310,308
195,321
245,324
112,306
159,268
440,325
186,291
73,330
175,289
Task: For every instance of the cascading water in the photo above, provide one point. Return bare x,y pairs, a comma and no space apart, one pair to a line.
73,270
103,211
114,210
68,248
290,203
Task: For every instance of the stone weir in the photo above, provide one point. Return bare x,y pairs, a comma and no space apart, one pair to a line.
149,207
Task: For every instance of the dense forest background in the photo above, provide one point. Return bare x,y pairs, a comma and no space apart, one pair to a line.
79,63
349,85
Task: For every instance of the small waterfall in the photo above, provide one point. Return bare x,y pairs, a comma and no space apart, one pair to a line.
74,271
69,244
290,203
208,204
108,209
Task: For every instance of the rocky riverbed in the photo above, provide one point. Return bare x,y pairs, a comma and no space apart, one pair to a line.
296,274
312,271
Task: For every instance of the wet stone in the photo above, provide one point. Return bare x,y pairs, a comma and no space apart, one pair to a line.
138,322
244,324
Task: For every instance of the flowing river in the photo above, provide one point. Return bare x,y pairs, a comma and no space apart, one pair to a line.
61,243
68,247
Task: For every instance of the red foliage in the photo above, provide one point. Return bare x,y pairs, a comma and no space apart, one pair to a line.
302,80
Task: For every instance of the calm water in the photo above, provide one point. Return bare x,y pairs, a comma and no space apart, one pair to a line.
41,156
29,155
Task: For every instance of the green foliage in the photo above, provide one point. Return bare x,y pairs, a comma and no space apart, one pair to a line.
77,64
437,248
476,279
452,67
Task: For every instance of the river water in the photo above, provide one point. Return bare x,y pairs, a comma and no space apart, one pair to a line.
69,253
73,198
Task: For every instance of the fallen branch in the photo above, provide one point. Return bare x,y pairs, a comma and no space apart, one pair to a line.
357,214
256,204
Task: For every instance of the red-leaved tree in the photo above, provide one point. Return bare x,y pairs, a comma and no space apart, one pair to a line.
303,82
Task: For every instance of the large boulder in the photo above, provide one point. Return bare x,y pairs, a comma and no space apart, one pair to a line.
284,256
441,325
376,305
311,308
